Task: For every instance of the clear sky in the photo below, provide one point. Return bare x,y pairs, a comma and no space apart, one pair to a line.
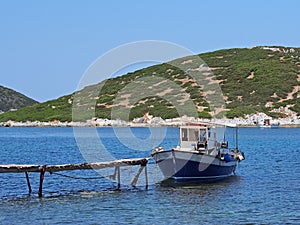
45,46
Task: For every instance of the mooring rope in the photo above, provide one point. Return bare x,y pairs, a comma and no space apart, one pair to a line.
98,177
80,178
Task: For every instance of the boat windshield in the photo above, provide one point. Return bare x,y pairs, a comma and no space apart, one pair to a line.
193,134
202,135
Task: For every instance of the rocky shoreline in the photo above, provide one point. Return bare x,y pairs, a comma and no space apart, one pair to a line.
248,121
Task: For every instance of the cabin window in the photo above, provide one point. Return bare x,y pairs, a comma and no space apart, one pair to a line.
202,135
184,134
193,135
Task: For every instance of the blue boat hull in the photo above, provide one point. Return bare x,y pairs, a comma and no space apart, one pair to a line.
186,165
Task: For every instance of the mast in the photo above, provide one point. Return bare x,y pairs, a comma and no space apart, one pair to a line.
236,138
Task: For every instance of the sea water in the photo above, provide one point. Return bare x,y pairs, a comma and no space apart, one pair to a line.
265,190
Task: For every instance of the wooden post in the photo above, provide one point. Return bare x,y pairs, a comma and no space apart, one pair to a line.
28,182
42,174
135,179
146,177
143,165
114,175
119,176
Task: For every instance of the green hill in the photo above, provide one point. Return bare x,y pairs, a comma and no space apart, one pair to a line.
11,100
252,79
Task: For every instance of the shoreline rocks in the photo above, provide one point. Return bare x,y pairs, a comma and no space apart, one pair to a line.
248,121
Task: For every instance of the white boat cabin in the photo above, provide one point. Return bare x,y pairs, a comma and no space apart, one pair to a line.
195,138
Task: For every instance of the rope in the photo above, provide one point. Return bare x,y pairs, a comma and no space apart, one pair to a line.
98,177
80,178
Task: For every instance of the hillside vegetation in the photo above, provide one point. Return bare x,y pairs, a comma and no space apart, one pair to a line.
11,100
262,79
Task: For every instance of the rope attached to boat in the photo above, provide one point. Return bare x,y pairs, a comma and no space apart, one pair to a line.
80,178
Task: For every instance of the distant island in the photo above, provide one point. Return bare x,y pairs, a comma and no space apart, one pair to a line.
264,79
11,100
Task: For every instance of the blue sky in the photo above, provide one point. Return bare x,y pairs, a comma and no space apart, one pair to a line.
45,46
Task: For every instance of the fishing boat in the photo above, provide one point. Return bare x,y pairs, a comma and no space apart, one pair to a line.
267,123
203,153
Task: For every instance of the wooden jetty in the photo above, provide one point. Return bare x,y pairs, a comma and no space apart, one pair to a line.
17,168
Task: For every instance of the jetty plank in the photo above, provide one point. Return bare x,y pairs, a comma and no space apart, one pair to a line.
18,168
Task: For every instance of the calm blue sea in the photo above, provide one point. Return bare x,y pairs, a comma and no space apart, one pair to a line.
266,189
